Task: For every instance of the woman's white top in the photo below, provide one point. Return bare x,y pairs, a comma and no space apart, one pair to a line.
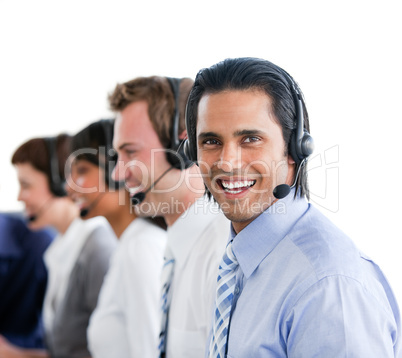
126,321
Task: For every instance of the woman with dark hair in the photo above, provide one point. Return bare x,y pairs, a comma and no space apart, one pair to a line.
89,182
78,258
126,321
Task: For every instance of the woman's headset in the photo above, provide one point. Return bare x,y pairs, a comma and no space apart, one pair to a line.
56,181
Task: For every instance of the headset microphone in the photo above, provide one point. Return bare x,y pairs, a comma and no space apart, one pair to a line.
282,190
139,197
85,211
34,217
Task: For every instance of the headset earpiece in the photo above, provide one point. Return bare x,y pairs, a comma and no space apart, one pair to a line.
190,149
301,143
176,154
107,127
56,182
187,151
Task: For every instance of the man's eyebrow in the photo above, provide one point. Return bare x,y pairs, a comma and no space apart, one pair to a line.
239,133
248,132
205,135
124,145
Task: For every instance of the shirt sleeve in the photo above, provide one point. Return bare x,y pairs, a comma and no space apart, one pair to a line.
126,322
338,317
107,334
99,251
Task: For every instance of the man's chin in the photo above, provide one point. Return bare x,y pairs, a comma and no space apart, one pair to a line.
242,210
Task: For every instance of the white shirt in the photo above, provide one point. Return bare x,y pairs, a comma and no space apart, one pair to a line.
126,321
197,241
60,259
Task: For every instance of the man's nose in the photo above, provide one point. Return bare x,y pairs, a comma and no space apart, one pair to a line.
119,171
230,158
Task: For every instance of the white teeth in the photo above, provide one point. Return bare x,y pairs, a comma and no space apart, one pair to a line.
233,191
237,184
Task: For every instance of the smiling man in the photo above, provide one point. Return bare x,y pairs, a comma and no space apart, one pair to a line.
290,284
243,194
148,131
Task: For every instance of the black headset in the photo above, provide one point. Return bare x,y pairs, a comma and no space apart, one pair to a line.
301,144
56,182
110,154
176,155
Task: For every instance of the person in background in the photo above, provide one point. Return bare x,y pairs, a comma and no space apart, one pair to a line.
291,284
77,259
23,279
89,182
149,129
125,322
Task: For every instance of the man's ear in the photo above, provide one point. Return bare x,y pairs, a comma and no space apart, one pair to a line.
183,135
290,160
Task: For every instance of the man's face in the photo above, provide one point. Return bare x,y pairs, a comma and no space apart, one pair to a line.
141,156
241,153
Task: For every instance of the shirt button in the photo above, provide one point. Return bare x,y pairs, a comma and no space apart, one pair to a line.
236,290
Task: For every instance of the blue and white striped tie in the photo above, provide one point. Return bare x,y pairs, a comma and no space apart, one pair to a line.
167,275
223,303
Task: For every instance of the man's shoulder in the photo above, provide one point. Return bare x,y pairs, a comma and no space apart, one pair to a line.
203,217
219,223
142,230
217,227
314,222
213,239
324,245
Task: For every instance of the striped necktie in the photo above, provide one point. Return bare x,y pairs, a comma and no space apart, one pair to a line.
167,275
223,303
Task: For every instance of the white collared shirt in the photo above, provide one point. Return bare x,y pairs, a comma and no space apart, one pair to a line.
126,321
197,240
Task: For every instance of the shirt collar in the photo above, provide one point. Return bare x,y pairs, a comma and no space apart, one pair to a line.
131,229
260,237
184,233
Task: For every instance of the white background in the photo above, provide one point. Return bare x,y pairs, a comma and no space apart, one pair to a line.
60,59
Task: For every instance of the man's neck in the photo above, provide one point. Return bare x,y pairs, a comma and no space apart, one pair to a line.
180,206
120,220
191,189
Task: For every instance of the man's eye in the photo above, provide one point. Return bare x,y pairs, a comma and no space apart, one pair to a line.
130,152
251,139
211,142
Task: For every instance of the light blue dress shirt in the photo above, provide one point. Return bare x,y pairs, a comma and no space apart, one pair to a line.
304,290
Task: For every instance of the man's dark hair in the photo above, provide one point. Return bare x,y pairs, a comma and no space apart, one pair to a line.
251,74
